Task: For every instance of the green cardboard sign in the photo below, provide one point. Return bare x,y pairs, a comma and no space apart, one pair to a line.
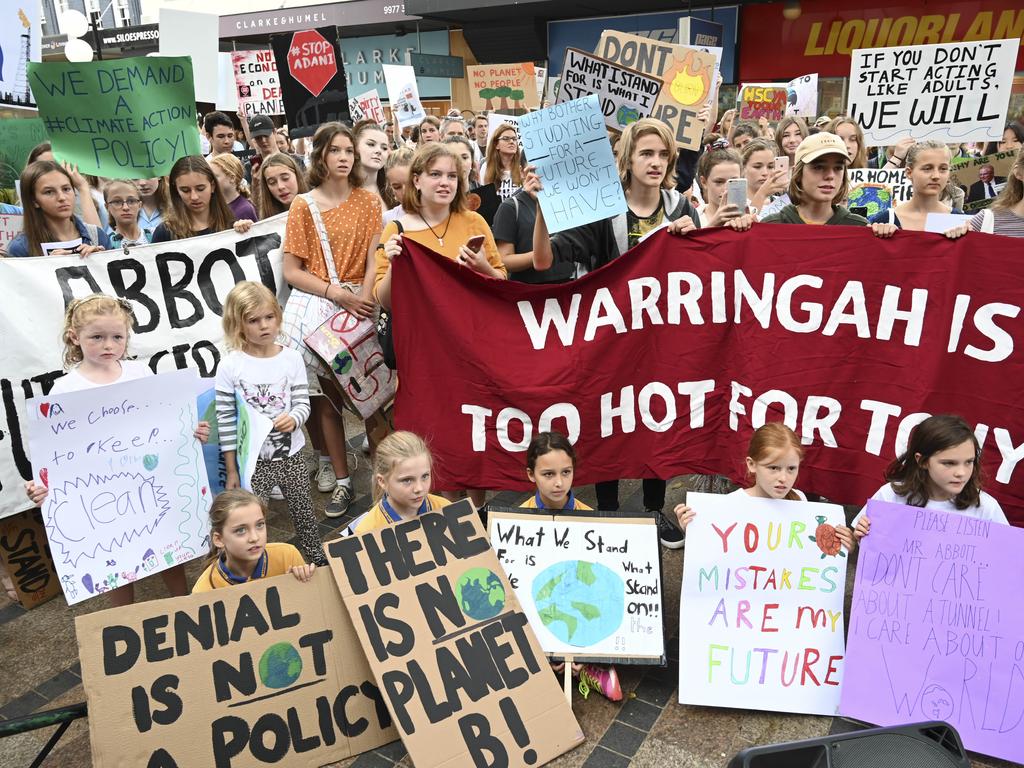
123,119
18,136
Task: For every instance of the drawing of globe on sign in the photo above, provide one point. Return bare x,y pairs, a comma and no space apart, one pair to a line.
580,603
311,60
280,665
480,593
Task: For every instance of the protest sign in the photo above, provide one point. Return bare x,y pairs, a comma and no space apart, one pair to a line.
461,671
123,119
512,86
943,222
403,95
368,107
311,72
590,584
950,92
765,100
17,139
625,94
259,92
128,495
761,611
11,225
541,76
176,290
252,432
227,86
20,36
193,35
878,189
936,632
25,556
662,363
687,77
802,96
982,178
569,145
264,672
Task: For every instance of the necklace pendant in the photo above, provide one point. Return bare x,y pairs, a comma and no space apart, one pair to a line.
440,241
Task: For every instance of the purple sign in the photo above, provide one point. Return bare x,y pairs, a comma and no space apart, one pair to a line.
937,629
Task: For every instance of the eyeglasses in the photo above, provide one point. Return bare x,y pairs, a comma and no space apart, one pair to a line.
509,139
118,202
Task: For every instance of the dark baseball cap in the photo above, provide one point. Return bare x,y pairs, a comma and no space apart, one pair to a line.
261,125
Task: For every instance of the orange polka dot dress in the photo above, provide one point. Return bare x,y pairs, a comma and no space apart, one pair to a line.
351,228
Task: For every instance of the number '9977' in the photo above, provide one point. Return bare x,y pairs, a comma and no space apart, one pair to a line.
397,8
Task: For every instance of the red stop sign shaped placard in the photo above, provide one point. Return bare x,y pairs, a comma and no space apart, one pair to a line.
311,60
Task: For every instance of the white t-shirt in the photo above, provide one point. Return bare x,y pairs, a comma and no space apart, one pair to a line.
988,509
743,491
74,381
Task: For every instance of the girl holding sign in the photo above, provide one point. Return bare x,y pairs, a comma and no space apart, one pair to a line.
940,470
401,484
197,204
773,463
50,226
96,333
239,552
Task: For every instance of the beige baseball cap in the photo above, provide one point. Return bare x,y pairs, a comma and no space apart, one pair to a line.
818,145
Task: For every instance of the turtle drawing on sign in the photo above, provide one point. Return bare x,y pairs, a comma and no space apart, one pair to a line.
826,538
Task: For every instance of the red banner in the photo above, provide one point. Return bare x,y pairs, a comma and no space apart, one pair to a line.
660,363
821,39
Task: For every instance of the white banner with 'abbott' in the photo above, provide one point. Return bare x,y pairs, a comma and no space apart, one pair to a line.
176,289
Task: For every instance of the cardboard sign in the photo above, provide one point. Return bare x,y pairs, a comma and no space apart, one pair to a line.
311,71
765,100
802,96
25,555
128,493
176,289
11,225
259,92
462,673
626,95
369,107
974,174
123,119
569,145
264,672
936,632
17,139
589,584
349,348
502,87
19,23
761,613
951,92
687,75
403,94
878,189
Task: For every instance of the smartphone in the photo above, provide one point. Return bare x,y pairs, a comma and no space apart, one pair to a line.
736,190
476,242
781,163
859,210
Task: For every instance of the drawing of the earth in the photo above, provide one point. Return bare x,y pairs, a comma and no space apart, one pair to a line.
874,197
580,603
480,594
280,665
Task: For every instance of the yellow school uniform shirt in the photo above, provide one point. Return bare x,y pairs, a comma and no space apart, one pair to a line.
532,503
461,227
280,557
378,517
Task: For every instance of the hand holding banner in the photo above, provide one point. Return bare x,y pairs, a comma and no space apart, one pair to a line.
123,119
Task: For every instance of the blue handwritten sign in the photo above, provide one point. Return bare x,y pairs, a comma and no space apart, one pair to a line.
936,631
569,145
128,492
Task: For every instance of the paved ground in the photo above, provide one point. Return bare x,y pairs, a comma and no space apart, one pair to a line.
647,730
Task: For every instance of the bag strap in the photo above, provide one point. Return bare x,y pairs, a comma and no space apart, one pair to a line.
325,243
399,227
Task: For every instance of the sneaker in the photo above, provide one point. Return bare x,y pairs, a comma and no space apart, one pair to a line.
326,480
668,532
604,680
275,493
340,501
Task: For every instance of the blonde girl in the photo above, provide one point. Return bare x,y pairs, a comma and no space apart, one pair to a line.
123,201
849,130
155,201
502,166
271,379
790,131
928,169
766,185
397,171
95,337
372,155
231,179
278,183
402,467
773,464
239,551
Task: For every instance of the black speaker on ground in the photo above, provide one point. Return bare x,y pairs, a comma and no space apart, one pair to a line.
923,745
